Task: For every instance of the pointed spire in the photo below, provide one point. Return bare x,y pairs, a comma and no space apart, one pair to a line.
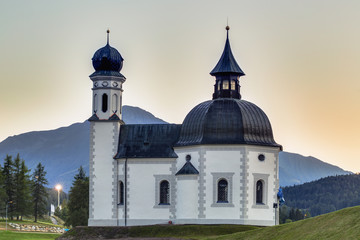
108,32
227,62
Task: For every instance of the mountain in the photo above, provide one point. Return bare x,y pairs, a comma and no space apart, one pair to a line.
63,150
296,169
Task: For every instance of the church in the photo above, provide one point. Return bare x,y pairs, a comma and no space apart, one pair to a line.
220,166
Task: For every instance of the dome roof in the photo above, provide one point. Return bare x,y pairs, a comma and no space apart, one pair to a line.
107,59
226,121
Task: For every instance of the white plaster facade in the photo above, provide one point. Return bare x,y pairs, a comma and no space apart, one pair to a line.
193,198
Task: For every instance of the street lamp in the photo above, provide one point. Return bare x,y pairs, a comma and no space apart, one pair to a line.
58,188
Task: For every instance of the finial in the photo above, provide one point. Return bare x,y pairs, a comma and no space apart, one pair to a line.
227,31
108,31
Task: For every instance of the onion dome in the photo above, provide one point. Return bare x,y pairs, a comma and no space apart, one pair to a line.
226,121
107,58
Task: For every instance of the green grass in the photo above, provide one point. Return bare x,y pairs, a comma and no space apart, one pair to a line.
342,224
7,235
187,231
165,231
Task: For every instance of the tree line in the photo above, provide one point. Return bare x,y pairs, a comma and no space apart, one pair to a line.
75,212
322,196
24,194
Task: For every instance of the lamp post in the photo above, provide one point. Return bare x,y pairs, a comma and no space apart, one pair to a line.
58,188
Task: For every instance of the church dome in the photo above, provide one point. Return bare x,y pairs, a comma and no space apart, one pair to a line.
226,121
107,59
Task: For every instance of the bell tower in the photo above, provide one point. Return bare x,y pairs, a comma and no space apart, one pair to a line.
107,83
105,125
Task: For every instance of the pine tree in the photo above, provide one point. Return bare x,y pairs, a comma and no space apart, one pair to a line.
39,193
8,174
17,191
298,215
78,206
22,196
64,213
292,214
3,196
57,212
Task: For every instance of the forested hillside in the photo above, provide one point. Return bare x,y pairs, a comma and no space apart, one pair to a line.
324,195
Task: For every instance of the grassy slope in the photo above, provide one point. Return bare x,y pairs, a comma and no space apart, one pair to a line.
342,224
165,231
28,222
13,235
24,236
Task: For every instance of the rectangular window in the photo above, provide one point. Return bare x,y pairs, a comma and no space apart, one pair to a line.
225,84
233,85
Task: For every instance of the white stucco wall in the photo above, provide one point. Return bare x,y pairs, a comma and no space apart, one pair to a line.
144,176
191,202
222,162
267,171
182,152
239,164
187,197
103,170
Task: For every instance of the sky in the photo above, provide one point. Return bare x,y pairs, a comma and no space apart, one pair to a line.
301,60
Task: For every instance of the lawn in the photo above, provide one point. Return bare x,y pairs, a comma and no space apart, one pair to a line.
7,235
156,231
14,235
342,224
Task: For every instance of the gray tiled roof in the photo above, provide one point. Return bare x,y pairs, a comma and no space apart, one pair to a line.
148,141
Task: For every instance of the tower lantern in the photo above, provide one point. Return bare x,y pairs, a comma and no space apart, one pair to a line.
227,73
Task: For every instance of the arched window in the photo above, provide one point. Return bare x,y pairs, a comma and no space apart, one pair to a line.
259,191
222,191
164,192
114,103
104,102
95,102
121,193
219,85
120,103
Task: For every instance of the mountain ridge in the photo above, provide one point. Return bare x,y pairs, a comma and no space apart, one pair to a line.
64,149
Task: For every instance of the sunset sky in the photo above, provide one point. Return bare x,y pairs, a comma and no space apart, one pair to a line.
301,60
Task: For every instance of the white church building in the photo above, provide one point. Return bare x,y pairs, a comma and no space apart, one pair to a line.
220,166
